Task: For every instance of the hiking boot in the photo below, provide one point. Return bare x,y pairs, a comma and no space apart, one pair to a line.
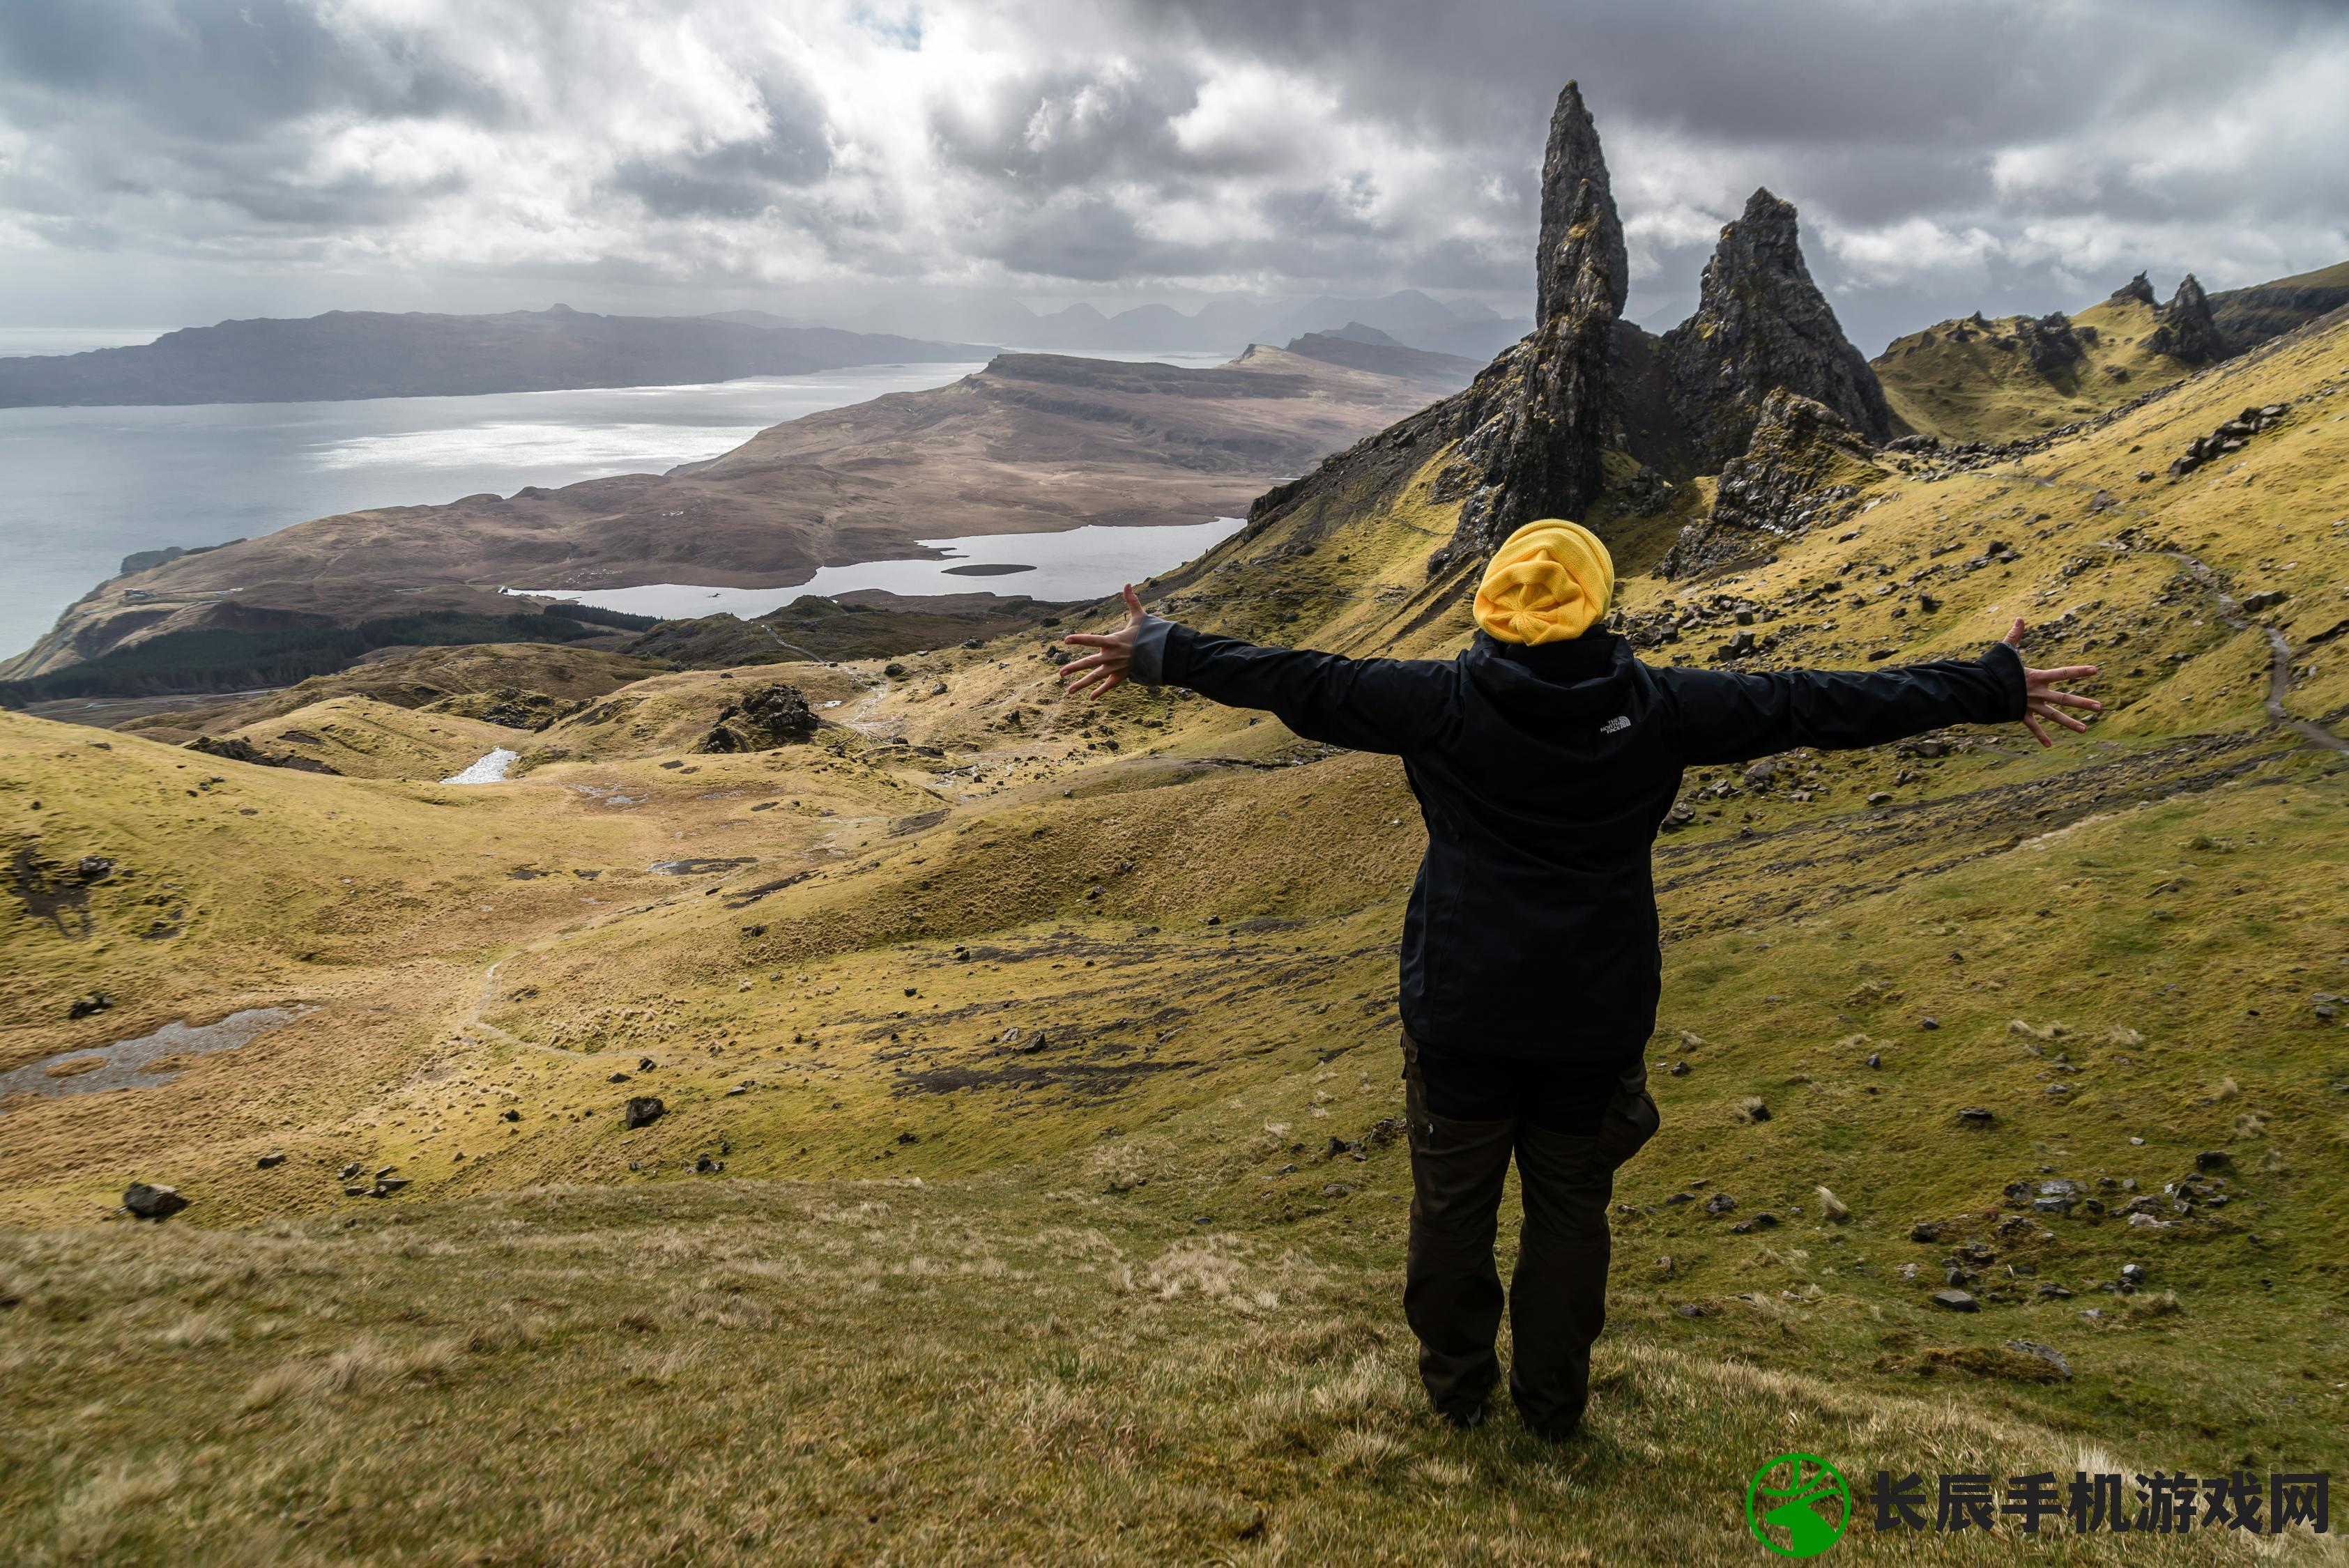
1467,1418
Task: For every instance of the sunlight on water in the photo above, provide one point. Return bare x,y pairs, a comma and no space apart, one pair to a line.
1076,563
615,448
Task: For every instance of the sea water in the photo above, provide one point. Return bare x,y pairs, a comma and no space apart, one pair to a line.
1074,563
82,488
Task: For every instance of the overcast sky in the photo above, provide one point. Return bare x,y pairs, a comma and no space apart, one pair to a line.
174,161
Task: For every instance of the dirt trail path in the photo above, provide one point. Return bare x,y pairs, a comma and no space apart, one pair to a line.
2232,613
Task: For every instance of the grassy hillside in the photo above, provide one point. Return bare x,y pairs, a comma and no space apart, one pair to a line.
1015,1054
1978,380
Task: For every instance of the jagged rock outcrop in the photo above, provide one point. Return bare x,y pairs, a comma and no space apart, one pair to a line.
2184,327
2052,345
771,716
1761,324
1804,465
1534,427
2136,289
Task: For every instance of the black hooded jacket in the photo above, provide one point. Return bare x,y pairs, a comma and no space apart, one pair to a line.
1543,774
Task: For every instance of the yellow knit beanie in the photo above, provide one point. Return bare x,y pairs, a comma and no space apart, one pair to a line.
1549,581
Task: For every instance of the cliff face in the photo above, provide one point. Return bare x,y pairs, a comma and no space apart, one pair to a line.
2252,316
1761,324
1802,465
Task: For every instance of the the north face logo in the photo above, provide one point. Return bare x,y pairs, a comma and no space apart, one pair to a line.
1618,722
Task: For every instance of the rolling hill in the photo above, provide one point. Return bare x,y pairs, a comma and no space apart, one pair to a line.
965,1129
1032,443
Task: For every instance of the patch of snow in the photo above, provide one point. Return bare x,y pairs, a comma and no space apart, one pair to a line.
489,769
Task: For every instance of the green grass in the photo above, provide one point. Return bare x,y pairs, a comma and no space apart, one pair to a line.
952,1299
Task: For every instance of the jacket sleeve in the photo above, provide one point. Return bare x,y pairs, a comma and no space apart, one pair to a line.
1393,706
1727,716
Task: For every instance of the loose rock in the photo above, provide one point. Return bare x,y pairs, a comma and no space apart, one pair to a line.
148,1201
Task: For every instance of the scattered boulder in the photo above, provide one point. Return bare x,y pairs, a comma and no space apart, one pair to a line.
1956,1300
386,1186
2046,1353
1975,1116
2232,436
1925,1231
2056,1197
642,1110
150,1200
269,1161
762,719
85,1006
1832,1208
348,1171
1720,1203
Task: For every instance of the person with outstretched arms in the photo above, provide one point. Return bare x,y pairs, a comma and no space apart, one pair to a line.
1545,757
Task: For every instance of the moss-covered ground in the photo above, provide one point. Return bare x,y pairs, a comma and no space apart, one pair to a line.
995,1215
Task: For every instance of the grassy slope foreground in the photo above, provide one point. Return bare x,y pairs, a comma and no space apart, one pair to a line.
995,1213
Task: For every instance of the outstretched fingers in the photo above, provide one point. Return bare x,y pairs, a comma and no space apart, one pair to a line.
2032,724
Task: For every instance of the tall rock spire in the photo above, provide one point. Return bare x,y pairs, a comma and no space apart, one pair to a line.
1761,324
1536,425
1580,260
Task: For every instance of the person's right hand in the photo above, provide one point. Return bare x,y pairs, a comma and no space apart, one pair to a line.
2041,697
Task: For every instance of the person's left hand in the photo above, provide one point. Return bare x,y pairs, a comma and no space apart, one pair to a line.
1106,670
2041,697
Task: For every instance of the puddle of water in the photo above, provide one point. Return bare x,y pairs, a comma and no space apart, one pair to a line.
119,1065
1074,563
489,769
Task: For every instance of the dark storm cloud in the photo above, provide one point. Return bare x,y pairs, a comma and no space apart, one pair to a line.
738,179
213,69
1999,153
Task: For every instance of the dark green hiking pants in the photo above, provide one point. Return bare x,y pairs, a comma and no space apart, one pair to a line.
1557,1296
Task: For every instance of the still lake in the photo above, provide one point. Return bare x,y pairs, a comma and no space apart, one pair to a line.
82,488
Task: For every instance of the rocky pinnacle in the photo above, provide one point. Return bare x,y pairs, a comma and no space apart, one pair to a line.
1761,324
1580,261
1536,425
2184,328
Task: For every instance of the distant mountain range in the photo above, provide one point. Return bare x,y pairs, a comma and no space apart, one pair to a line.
370,354
1414,320
373,354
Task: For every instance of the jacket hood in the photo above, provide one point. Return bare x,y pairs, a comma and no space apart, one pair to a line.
1553,682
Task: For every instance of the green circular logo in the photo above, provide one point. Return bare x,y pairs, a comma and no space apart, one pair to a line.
1797,1505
